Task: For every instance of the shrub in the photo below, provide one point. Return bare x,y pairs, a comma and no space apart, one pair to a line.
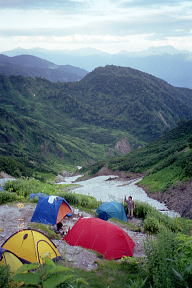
72,198
7,197
168,261
5,276
25,186
184,259
80,200
154,220
159,265
129,263
142,209
152,224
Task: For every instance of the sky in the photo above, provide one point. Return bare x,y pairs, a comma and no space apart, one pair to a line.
108,25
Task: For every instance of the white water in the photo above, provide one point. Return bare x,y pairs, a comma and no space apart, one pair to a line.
116,191
3,181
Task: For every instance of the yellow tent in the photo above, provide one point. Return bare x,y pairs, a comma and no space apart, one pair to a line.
31,245
8,258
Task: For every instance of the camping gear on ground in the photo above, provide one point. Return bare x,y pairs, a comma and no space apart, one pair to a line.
104,237
37,195
111,210
9,258
31,245
51,210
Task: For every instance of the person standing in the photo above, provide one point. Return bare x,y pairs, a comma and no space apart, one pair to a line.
130,206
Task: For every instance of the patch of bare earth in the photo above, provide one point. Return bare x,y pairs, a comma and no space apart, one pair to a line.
178,198
14,217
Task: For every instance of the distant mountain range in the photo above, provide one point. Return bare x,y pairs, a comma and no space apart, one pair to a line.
32,66
167,63
46,124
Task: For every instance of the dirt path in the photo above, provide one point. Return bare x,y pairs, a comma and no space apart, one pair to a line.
14,217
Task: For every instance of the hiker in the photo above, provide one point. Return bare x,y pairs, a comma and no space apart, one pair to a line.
130,206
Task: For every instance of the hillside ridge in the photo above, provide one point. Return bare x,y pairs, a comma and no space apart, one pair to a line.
32,66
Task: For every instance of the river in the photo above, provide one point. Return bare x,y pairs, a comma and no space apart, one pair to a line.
113,190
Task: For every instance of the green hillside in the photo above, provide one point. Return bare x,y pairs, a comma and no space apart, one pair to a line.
35,136
46,126
166,165
132,100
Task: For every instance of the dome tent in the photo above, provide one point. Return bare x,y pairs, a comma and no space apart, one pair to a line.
111,210
51,210
101,236
31,245
9,258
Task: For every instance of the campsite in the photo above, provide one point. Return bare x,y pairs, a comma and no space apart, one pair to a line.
20,218
92,239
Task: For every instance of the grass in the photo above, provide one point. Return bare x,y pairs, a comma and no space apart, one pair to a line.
161,180
46,229
25,186
111,274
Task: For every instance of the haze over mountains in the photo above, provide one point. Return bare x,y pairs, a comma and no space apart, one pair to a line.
167,63
32,66
44,124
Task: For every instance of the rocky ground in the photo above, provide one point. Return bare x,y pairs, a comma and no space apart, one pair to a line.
178,198
17,216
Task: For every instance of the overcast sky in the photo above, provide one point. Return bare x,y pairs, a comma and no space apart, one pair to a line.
109,25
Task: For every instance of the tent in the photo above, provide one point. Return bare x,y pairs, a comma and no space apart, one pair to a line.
106,238
51,210
36,195
111,210
9,258
31,245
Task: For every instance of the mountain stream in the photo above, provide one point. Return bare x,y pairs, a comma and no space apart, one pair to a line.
115,190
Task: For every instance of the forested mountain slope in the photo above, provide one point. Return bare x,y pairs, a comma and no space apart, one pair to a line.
44,124
36,136
127,99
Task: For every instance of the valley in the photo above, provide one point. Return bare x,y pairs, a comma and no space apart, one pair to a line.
82,122
116,121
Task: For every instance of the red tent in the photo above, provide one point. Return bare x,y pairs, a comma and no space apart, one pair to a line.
106,238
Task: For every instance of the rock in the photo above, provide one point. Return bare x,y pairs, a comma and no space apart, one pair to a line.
66,173
123,146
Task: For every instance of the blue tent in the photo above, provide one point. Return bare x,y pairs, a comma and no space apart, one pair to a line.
51,210
111,210
36,195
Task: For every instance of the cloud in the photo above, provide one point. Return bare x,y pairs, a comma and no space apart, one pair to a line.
96,22
41,4
144,3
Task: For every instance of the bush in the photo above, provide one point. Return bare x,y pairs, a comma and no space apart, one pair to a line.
26,186
160,255
142,209
80,200
5,276
7,197
129,263
154,220
184,259
72,198
168,261
152,224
